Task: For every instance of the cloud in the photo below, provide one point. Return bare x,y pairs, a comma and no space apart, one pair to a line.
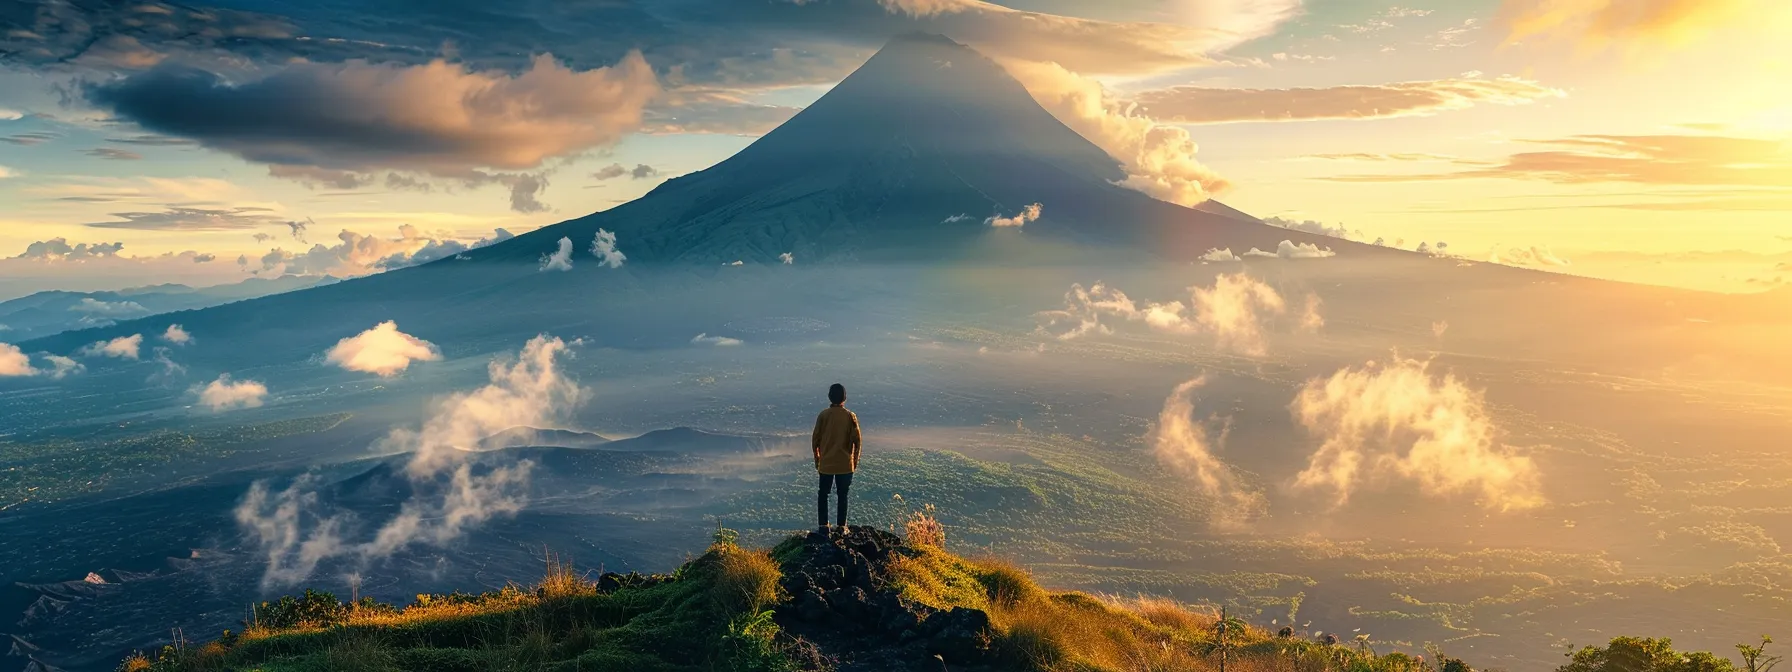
1220,255
1310,317
113,153
956,218
357,254
295,534
1181,443
183,218
1201,105
1639,159
224,394
1313,227
1635,24
1234,312
170,368
719,341
14,363
641,171
604,248
58,249
438,118
1026,214
63,367
123,347
787,258
1397,420
1158,159
292,536
1287,249
560,259
28,139
94,306
1527,256
383,351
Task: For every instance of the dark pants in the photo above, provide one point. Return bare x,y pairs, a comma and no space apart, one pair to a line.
828,482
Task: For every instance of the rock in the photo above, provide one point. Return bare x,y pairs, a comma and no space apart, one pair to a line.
959,635
812,606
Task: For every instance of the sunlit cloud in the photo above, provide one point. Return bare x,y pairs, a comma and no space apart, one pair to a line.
1643,159
1634,24
1398,420
1235,312
224,394
1185,445
1026,214
383,351
1202,105
14,363
123,347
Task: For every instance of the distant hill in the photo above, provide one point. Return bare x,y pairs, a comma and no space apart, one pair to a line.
52,312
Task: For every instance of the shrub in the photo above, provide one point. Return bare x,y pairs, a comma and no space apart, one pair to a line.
745,581
1634,654
314,609
923,529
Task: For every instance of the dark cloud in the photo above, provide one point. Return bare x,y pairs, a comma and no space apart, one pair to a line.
641,171
153,141
315,177
178,218
113,153
34,138
56,249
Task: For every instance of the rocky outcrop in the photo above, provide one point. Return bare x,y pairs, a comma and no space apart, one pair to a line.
841,601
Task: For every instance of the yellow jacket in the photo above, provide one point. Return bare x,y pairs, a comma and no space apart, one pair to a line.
836,441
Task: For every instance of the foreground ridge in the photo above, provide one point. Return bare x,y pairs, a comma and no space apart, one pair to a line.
859,599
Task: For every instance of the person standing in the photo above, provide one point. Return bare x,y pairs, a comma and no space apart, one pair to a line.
836,443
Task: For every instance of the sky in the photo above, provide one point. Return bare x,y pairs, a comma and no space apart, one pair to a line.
140,143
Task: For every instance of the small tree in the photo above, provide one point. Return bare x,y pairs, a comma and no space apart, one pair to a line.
1753,660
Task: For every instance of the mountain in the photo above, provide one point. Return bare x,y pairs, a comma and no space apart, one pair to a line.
905,159
52,312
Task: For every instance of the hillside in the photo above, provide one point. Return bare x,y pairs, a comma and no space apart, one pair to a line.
864,600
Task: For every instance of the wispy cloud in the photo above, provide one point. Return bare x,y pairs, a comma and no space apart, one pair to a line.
719,341
1708,160
1200,105
1235,312
1183,444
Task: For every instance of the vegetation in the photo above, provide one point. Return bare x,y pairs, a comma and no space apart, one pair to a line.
726,610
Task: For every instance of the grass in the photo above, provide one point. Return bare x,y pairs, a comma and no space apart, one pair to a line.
717,613
714,615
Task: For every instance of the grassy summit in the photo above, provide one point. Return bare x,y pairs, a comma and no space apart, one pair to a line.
861,600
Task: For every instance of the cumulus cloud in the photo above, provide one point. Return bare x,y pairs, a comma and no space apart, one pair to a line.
560,259
1201,105
706,339
604,248
787,258
1026,214
1218,254
1234,312
1182,443
1398,420
356,254
58,249
123,347
1527,256
14,363
1290,250
1159,159
1312,226
383,351
224,394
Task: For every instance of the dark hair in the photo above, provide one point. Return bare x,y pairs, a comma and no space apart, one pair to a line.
837,393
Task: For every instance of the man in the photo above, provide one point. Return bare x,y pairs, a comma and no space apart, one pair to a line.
836,444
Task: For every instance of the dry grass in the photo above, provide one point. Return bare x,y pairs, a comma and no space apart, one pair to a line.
923,529
746,580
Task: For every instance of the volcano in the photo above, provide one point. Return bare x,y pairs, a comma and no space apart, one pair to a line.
907,158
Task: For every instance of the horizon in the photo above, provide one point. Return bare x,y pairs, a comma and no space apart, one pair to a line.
1314,115
1467,365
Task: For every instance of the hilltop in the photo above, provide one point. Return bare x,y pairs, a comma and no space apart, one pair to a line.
864,600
